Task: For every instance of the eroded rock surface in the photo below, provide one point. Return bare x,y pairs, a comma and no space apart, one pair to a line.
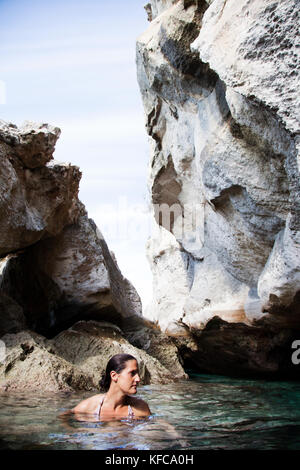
12,318
37,199
32,364
241,350
253,46
219,83
56,271
69,277
91,344
73,360
148,337
34,143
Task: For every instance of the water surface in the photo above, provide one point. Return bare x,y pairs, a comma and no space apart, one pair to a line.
205,412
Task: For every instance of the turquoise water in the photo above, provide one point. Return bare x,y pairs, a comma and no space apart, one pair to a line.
205,412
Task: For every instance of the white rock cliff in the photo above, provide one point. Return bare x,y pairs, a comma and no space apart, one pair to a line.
219,81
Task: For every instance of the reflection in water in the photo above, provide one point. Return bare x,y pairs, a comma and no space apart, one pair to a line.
129,433
206,412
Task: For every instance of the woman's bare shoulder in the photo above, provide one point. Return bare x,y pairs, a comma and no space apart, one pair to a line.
88,405
140,406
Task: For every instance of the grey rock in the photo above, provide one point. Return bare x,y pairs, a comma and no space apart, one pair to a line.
278,284
12,318
256,53
89,345
69,277
32,365
219,83
148,337
35,202
73,360
34,143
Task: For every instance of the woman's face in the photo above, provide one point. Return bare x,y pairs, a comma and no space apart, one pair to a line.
128,378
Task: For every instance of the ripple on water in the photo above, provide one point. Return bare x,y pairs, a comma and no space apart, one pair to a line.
206,412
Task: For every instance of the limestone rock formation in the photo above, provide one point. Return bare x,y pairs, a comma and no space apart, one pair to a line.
259,350
38,199
69,277
33,143
253,47
219,81
32,365
73,360
12,318
56,271
89,345
261,71
148,337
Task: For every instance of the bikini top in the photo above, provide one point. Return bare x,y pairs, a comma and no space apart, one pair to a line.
98,411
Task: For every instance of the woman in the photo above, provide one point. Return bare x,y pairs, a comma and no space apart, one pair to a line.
121,379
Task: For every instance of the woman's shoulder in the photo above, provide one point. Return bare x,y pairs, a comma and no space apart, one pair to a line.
140,406
89,404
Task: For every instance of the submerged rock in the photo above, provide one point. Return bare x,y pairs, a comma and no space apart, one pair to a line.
218,82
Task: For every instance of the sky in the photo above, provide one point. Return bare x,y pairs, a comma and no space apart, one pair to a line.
72,64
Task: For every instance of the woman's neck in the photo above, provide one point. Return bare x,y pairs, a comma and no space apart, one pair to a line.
115,397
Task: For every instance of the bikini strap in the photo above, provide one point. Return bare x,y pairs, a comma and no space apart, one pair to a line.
130,412
99,406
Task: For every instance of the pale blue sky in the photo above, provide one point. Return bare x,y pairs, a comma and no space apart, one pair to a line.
72,64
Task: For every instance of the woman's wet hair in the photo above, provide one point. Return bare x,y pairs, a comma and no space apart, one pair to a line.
116,363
